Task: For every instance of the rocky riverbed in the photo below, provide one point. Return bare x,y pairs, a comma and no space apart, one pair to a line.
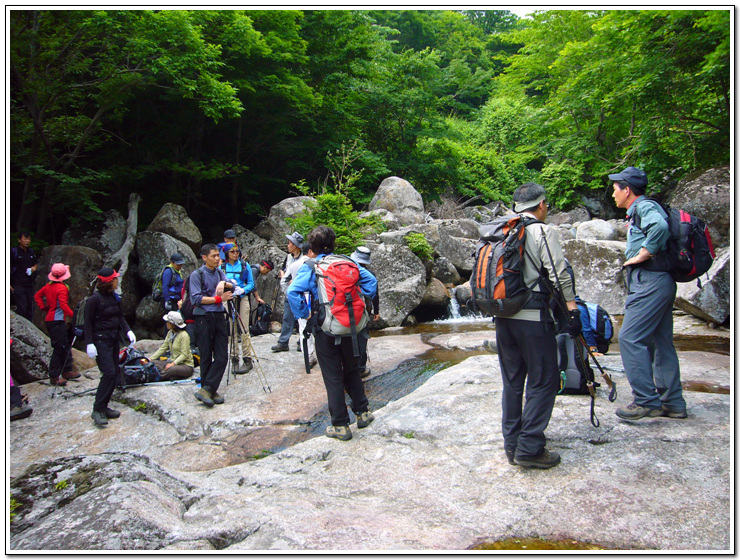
429,474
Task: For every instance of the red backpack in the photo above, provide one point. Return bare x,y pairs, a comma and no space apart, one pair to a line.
341,305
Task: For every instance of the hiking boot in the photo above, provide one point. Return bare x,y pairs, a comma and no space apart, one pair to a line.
339,432
365,372
544,460
111,413
364,419
58,381
510,457
246,368
204,396
99,418
280,347
636,411
217,399
70,375
20,412
669,413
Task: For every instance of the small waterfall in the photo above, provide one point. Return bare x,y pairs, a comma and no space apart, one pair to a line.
453,309
454,315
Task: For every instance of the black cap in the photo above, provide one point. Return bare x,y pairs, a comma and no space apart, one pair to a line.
633,176
229,233
177,258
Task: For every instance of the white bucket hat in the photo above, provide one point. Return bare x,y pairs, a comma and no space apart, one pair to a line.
175,318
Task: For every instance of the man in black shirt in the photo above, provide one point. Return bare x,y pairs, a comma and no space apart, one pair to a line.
23,266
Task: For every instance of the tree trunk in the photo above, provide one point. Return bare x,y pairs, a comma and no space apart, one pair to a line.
121,256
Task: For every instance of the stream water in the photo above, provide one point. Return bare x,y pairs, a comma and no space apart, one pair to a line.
412,373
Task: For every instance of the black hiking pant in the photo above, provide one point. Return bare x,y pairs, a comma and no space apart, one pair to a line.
212,337
340,372
527,352
61,360
107,344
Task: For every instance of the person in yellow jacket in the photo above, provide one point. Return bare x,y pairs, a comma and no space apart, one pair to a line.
177,341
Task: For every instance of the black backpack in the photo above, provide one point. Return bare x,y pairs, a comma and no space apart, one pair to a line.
497,282
137,368
78,319
187,306
689,251
262,320
575,371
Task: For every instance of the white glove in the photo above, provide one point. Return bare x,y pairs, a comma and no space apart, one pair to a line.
92,351
29,271
238,291
131,337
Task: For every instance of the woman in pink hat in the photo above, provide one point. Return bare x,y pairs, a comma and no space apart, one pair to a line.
53,300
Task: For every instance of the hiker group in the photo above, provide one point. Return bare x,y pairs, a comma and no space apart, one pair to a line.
545,334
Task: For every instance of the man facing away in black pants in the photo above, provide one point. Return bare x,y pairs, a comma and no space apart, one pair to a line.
526,341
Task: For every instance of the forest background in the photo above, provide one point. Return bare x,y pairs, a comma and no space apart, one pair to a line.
228,112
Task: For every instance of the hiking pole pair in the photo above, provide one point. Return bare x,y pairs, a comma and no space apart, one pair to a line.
250,350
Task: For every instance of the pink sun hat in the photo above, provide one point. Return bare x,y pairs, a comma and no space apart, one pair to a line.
59,272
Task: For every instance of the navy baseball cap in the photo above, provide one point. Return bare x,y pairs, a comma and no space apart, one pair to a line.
229,233
632,175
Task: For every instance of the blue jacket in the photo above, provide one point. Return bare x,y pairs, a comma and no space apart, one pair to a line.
172,282
240,274
305,281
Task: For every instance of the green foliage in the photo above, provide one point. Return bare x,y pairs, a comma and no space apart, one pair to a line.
335,210
409,435
419,245
14,505
222,111
261,455
140,407
61,485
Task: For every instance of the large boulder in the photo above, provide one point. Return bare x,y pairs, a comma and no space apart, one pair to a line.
84,264
154,249
711,301
275,227
173,220
105,236
401,282
436,294
578,214
597,266
707,196
597,229
458,250
445,271
30,351
149,313
399,197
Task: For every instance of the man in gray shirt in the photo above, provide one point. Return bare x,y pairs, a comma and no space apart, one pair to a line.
209,290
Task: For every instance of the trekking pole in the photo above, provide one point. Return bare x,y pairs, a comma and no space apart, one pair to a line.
561,301
257,366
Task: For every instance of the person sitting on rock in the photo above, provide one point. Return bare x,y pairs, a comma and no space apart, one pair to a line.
53,300
177,342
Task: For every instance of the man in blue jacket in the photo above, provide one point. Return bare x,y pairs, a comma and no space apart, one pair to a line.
339,367
646,337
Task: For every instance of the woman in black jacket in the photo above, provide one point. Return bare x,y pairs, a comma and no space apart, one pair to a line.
104,322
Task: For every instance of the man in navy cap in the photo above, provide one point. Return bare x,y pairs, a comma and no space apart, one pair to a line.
646,337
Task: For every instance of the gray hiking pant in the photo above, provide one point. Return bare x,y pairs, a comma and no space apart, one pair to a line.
646,340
